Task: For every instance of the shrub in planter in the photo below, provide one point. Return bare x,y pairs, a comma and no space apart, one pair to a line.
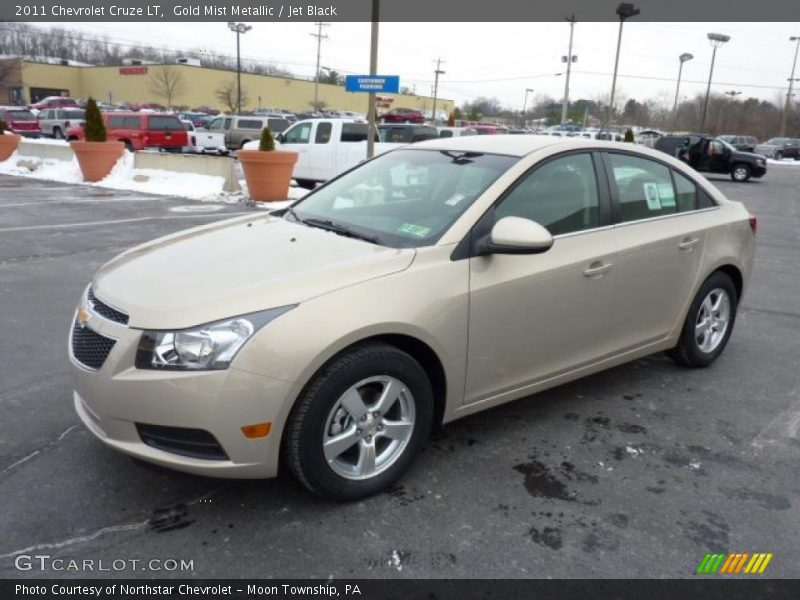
629,136
96,155
8,142
268,172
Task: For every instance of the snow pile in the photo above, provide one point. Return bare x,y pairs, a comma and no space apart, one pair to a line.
50,169
786,161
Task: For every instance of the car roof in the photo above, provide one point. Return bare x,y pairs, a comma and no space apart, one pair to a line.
516,145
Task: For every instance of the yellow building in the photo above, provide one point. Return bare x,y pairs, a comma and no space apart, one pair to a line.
28,81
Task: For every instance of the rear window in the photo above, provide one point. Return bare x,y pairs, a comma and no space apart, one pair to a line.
20,115
165,123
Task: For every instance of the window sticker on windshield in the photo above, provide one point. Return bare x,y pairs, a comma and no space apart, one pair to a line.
455,199
415,230
666,195
651,195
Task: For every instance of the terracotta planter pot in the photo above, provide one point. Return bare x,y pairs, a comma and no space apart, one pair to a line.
268,174
97,158
8,143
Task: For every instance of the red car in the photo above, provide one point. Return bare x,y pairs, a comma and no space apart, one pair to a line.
21,121
55,102
141,130
403,115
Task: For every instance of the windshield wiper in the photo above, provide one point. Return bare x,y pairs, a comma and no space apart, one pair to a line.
329,225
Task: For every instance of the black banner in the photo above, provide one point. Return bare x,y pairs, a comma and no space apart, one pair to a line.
405,589
390,10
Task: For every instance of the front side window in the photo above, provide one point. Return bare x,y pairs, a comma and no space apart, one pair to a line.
299,134
644,187
561,195
403,199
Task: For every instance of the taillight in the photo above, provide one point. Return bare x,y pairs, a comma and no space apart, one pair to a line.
753,224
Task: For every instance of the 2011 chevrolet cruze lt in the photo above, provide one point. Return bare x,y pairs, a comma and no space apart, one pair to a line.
433,282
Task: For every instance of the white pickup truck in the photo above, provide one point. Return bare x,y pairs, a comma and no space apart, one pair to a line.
327,147
202,140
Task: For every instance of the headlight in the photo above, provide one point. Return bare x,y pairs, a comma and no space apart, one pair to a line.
206,347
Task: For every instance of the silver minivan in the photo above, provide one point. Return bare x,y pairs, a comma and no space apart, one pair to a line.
240,129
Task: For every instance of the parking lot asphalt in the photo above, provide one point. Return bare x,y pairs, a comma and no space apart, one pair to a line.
634,472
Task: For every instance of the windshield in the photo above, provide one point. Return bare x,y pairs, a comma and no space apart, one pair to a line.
777,141
726,144
405,198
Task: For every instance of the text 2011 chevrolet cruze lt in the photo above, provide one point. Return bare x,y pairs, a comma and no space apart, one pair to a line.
433,282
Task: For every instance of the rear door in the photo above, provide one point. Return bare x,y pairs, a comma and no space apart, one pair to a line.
660,235
535,316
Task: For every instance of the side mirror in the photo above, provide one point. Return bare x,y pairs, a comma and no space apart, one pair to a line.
279,138
515,235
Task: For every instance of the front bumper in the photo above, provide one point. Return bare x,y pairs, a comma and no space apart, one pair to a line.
113,399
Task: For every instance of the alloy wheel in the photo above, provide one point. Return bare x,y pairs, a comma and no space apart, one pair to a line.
713,320
369,427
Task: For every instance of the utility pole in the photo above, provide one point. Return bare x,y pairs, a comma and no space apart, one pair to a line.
372,130
716,39
436,73
569,60
791,82
239,29
682,59
320,36
624,11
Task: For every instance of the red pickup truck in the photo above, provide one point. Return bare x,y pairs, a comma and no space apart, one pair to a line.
141,130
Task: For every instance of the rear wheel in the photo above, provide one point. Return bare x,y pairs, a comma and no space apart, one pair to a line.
708,324
129,146
57,133
741,172
360,423
779,155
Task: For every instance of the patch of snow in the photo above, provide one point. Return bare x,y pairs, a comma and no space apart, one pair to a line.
787,162
395,560
694,465
42,141
633,451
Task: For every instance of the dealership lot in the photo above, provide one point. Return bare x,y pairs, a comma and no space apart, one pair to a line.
638,471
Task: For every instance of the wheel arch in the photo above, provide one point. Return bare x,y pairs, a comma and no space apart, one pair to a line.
734,273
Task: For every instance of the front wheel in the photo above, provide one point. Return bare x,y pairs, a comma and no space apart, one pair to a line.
779,155
360,422
741,172
708,324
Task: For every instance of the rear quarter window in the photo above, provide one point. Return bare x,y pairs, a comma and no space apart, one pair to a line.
249,124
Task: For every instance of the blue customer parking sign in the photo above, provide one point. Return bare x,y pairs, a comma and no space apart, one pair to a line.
389,84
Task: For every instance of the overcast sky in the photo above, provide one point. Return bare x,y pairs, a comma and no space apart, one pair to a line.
503,59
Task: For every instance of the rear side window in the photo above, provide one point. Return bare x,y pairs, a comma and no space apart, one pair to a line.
250,124
561,195
165,123
132,123
446,133
72,114
323,135
644,188
117,121
685,193
354,132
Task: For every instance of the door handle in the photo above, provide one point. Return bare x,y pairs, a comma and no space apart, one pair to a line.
687,244
597,269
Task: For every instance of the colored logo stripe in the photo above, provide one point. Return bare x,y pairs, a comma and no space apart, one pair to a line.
734,563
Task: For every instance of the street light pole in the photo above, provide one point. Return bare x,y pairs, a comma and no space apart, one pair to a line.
785,117
319,35
570,58
525,105
624,11
372,130
682,58
239,29
716,39
437,72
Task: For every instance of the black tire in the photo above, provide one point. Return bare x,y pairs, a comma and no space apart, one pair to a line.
307,424
57,133
129,146
741,172
306,184
779,155
688,352
241,146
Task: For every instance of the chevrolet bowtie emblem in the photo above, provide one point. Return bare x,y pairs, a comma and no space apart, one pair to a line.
83,316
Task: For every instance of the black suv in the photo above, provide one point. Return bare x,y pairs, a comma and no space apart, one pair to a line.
707,154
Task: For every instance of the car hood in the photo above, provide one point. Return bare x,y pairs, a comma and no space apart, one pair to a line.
751,156
236,267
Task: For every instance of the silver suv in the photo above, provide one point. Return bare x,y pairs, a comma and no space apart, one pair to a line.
54,122
240,129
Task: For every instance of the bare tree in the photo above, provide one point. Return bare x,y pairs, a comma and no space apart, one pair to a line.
227,94
167,82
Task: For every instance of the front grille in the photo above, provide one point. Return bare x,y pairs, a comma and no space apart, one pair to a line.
194,443
89,347
104,310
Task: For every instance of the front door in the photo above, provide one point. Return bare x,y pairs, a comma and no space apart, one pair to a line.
535,316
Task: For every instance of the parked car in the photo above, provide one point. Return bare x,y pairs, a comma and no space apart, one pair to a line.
20,120
745,143
55,122
203,141
706,154
326,148
648,137
405,133
402,115
449,132
489,129
140,130
240,129
55,102
418,288
197,119
780,148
